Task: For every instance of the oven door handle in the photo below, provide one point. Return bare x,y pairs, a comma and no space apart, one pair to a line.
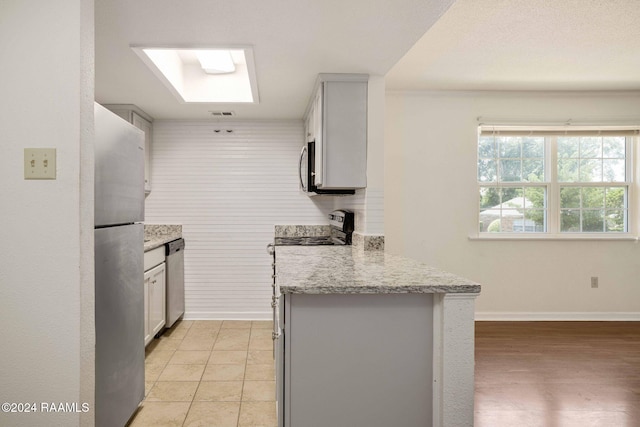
304,188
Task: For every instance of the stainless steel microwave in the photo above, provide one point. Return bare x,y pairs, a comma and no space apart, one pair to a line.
306,171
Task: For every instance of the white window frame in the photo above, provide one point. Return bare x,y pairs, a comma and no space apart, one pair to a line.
552,185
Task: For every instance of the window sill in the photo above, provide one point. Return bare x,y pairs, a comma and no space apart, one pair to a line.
557,237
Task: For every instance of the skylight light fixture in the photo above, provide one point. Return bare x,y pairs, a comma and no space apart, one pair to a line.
216,61
220,74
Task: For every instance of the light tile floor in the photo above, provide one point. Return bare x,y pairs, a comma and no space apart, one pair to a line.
210,373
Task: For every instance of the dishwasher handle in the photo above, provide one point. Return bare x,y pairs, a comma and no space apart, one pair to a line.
174,246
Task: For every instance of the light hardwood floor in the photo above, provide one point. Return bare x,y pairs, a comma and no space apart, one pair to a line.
557,374
210,373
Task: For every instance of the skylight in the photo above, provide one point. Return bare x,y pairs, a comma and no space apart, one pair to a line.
216,61
209,75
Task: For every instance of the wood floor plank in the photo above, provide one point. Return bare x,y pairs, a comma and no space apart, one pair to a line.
557,374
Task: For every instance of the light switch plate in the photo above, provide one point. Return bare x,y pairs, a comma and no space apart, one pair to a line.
39,163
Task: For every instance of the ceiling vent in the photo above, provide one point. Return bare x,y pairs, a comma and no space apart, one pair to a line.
222,113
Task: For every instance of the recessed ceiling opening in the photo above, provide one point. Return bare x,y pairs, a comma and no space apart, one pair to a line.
204,75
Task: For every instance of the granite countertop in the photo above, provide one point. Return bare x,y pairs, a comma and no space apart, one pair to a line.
344,270
156,235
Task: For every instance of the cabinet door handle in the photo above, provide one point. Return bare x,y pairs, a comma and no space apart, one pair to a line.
270,250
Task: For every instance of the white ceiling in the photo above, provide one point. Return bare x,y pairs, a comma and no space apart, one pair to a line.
527,45
475,45
293,41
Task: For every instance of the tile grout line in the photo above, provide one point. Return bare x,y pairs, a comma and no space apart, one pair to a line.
186,415
201,375
175,345
244,377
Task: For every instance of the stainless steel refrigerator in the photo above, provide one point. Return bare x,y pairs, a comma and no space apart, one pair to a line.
119,270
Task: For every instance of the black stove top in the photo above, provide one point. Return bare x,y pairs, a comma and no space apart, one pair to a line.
304,241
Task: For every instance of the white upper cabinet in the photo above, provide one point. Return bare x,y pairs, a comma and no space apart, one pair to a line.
336,120
142,121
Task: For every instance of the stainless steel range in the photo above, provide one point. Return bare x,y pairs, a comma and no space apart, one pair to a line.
342,224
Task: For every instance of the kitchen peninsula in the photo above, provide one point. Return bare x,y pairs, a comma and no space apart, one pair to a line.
369,338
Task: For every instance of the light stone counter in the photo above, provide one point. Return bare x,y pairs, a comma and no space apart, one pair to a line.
343,270
343,307
156,235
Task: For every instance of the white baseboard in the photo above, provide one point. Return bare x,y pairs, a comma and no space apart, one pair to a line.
230,315
499,316
557,316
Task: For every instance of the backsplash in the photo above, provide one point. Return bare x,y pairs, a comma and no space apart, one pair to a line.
368,243
302,230
154,231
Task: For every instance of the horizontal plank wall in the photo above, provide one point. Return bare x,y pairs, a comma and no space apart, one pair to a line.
228,190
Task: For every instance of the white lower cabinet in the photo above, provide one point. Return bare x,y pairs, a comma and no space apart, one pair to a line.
154,302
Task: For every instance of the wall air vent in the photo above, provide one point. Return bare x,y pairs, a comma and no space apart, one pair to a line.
222,113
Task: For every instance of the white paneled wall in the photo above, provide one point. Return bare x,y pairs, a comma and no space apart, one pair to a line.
355,203
368,207
228,190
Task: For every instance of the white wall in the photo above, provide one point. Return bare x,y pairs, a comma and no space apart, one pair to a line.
46,267
431,208
228,190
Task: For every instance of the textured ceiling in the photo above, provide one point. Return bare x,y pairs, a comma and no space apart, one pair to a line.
527,45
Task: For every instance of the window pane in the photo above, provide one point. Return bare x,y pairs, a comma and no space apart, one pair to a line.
613,147
592,197
489,197
591,170
615,220
512,197
568,147
614,197
533,147
535,197
593,221
509,147
597,160
568,170
486,147
591,147
593,209
507,210
570,220
500,159
489,209
487,171
510,170
532,170
570,197
613,170
534,221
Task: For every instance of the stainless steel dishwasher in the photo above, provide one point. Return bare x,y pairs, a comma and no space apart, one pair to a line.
174,253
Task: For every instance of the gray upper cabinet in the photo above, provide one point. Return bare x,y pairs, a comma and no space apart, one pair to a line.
336,119
143,121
